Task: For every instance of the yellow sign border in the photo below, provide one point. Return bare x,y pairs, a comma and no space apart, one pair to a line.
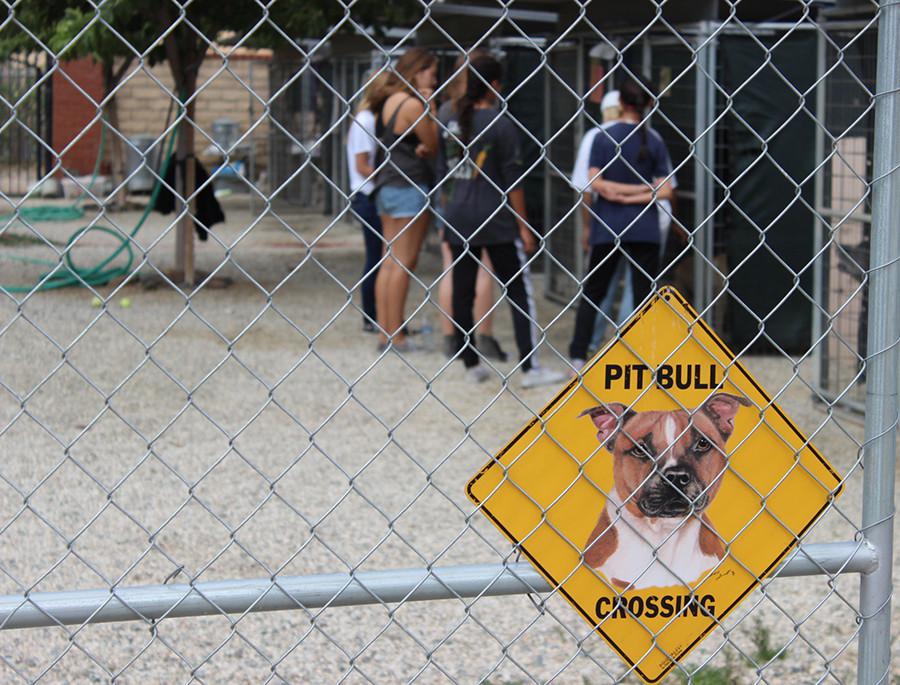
664,293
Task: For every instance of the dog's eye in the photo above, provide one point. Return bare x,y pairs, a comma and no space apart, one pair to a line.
702,445
639,451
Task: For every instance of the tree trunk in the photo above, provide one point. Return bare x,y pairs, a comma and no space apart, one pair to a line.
186,183
111,140
184,53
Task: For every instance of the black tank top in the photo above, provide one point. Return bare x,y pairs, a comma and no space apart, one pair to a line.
403,165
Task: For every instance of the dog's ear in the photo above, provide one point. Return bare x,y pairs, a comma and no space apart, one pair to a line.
722,408
608,419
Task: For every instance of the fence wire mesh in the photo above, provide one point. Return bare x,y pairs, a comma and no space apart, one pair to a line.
193,413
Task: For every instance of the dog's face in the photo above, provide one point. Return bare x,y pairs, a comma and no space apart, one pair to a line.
667,464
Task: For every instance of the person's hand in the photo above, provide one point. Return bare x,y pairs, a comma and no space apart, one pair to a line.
528,240
607,192
421,151
643,199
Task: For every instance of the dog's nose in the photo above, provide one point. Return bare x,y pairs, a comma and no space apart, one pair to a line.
678,478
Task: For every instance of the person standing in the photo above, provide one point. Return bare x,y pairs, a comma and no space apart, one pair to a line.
484,283
486,214
610,111
620,290
361,148
630,170
407,140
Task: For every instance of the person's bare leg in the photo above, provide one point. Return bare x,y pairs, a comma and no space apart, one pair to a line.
404,257
445,290
383,281
484,296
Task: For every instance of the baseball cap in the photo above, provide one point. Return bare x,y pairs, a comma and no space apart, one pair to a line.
611,99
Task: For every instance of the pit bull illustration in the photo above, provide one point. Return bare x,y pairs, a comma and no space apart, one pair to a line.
667,469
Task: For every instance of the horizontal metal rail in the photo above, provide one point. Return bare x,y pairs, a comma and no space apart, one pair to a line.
147,602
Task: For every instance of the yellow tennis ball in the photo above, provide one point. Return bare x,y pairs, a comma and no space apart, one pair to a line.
125,302
96,302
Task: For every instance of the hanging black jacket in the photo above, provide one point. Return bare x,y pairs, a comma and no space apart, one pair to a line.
207,212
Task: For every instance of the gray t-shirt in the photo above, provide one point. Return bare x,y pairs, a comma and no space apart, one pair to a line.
478,184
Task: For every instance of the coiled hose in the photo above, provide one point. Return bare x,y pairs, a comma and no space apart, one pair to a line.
64,273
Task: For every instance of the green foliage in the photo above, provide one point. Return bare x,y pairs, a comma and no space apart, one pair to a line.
115,30
111,31
724,674
710,675
763,651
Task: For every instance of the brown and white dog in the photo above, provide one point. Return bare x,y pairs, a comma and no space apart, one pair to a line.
667,468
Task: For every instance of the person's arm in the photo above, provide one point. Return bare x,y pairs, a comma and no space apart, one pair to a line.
586,200
626,188
662,190
424,127
608,190
363,167
631,193
517,202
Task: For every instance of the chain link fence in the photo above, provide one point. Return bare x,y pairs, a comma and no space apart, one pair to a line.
199,432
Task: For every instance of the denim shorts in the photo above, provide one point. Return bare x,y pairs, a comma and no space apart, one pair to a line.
401,201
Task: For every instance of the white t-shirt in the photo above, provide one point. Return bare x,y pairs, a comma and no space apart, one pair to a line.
361,138
580,179
581,182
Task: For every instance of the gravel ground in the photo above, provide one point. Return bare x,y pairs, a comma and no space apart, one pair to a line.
251,434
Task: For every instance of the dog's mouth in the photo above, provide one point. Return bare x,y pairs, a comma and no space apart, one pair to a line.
664,501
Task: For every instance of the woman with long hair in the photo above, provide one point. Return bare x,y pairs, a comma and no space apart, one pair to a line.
486,214
630,171
361,149
484,283
408,139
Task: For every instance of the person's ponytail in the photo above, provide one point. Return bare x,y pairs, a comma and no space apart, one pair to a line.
485,71
635,94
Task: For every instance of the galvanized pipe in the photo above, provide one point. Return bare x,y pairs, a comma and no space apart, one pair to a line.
340,589
880,451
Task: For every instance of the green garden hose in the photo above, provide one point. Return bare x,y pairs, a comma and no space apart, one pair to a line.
71,212
63,273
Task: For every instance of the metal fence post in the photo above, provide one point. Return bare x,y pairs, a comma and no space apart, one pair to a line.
882,375
704,163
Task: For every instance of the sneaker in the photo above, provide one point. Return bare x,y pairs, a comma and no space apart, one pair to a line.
490,348
577,365
477,374
537,375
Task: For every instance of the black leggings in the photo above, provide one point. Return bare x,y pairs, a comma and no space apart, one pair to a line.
644,262
508,266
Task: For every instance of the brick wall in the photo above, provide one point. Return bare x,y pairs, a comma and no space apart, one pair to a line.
143,103
73,111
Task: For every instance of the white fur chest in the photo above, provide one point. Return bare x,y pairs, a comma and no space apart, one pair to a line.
655,552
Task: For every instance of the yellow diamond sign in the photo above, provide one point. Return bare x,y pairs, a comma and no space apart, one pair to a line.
659,489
